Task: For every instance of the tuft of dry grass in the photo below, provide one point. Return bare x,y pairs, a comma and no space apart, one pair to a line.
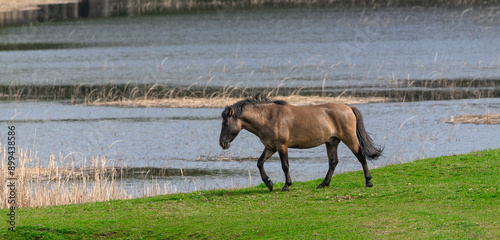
61,183
475,119
25,5
220,102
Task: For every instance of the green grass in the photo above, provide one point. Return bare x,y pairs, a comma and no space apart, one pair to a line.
451,197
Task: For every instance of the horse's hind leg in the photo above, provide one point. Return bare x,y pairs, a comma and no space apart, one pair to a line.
331,150
368,176
260,164
352,143
283,151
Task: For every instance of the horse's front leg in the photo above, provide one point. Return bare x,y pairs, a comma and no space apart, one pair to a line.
283,151
260,164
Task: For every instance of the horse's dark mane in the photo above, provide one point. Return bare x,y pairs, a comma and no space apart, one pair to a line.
255,100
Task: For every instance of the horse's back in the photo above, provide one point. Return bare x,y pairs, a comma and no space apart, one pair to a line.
332,110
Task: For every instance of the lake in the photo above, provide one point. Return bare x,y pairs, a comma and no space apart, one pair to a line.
260,48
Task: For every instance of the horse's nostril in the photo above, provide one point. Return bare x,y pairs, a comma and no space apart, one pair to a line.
225,145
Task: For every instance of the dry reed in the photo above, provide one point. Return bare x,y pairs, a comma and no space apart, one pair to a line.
476,119
25,5
220,102
62,183
156,6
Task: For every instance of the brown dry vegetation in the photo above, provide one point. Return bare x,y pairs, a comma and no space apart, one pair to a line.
220,102
61,183
24,5
476,119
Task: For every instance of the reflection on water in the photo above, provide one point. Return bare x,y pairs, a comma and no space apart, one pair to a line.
174,139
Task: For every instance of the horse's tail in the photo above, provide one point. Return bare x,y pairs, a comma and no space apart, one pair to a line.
366,146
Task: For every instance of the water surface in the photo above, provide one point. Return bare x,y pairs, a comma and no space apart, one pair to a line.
260,48
168,138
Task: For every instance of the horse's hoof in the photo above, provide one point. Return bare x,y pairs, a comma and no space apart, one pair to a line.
369,184
321,185
269,185
285,189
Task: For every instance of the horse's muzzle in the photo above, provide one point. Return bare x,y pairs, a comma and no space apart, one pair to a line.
225,145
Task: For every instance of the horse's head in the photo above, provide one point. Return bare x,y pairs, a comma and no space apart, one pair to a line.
231,126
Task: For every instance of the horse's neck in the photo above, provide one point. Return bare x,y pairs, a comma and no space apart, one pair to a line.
255,118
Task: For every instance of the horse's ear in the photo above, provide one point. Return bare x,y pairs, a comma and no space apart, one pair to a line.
231,112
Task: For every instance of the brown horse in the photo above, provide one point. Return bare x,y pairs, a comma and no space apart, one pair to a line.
280,126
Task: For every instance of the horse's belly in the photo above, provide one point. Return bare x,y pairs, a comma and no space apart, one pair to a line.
307,142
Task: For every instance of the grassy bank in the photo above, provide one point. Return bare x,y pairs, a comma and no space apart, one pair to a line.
447,197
